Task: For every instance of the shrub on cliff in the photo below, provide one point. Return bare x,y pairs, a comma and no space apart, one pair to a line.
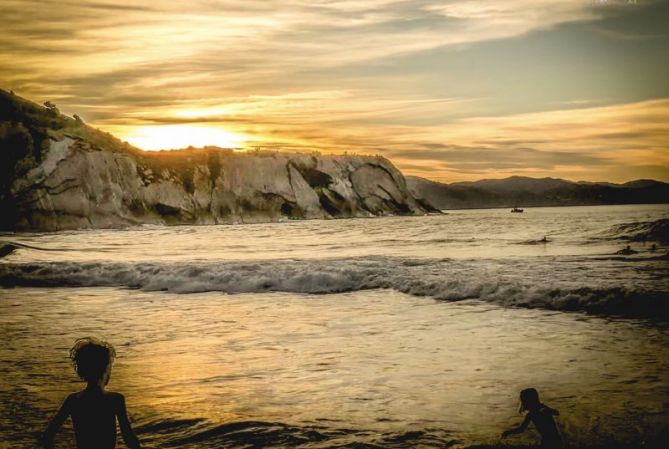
16,157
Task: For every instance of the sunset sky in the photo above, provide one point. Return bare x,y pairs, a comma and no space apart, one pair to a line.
450,90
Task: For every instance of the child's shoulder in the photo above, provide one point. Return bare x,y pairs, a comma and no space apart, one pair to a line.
70,398
73,399
75,396
546,410
114,396
110,395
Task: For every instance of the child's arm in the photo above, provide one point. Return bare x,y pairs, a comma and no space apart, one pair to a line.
520,429
55,424
129,436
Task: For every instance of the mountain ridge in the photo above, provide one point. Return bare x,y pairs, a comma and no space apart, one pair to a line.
535,192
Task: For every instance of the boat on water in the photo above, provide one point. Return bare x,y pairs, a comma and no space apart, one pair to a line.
517,210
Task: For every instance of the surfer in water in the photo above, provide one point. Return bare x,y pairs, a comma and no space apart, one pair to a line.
93,410
626,251
541,416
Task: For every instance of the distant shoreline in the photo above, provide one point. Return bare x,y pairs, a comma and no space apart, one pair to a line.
560,205
5,232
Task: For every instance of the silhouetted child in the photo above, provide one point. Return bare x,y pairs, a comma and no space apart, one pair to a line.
93,410
542,418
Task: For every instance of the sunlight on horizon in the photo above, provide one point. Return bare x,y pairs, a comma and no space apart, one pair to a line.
449,90
168,137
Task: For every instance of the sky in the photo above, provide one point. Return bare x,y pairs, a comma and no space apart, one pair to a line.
451,90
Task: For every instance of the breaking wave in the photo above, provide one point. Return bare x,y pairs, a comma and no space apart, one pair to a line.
606,288
657,230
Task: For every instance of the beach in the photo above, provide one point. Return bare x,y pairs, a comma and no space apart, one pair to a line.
387,332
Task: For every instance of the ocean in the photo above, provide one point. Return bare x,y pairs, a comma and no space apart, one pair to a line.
383,332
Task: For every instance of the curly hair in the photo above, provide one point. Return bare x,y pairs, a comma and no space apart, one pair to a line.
91,357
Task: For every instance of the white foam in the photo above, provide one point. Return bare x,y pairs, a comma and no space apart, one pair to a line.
509,283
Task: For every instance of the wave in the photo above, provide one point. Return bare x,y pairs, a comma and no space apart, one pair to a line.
604,288
245,434
641,231
542,241
198,434
633,258
6,248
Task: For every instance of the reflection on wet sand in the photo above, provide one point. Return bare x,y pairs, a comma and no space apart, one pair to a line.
372,368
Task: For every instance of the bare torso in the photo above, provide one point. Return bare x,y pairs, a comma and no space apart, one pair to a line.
94,418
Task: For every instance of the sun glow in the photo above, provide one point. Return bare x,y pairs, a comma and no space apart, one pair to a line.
165,137
201,113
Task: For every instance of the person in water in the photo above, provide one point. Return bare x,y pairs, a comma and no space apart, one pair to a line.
541,416
93,410
627,251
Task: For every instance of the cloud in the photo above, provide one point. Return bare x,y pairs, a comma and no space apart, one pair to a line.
105,35
585,143
582,143
341,75
213,48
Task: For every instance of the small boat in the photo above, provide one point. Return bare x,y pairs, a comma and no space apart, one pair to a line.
517,210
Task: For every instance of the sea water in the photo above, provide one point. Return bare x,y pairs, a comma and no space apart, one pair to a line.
389,332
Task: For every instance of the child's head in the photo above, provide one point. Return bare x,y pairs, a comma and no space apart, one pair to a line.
529,399
92,359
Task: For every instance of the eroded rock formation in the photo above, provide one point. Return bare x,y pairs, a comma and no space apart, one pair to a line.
66,175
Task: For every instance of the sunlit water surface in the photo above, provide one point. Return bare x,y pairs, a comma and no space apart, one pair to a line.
462,234
394,332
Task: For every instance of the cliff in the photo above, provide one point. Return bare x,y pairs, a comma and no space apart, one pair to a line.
58,173
532,192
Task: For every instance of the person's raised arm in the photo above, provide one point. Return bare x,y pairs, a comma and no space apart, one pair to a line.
129,436
520,429
56,423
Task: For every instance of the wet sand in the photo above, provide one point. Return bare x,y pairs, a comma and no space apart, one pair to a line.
372,368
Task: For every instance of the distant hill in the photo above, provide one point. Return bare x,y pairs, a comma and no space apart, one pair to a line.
534,192
58,173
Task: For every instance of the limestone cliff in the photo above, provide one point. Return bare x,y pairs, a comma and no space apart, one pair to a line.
59,174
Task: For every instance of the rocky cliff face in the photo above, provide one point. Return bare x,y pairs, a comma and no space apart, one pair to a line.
65,175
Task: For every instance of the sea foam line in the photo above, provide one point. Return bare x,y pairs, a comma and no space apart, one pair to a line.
564,286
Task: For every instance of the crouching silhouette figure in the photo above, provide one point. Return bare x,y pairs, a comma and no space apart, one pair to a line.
93,410
541,416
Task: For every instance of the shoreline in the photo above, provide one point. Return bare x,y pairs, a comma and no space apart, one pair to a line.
442,212
559,205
